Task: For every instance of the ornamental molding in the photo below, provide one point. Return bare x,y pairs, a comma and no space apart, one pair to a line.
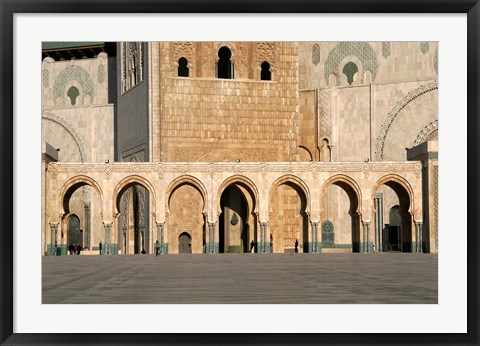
324,110
380,141
71,131
426,132
185,50
266,52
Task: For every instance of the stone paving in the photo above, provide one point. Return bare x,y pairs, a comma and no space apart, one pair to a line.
395,278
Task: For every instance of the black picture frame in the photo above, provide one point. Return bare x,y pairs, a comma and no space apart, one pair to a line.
10,7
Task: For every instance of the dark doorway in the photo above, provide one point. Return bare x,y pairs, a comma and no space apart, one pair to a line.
75,235
233,229
185,243
393,238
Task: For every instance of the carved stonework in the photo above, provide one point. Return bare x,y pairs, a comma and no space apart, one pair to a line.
324,106
314,169
212,168
366,169
53,169
362,50
69,74
435,60
424,47
266,52
70,129
386,49
263,169
107,171
315,54
101,73
183,50
380,141
131,64
160,169
429,132
45,78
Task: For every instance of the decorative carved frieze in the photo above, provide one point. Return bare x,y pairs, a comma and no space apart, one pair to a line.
380,141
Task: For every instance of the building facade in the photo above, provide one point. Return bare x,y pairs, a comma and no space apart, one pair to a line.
216,147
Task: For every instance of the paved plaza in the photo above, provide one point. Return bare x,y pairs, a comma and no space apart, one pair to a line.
381,278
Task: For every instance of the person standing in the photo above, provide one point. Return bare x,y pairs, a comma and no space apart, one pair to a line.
296,245
100,247
157,248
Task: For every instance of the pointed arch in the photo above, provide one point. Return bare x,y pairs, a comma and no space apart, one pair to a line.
124,184
182,180
71,185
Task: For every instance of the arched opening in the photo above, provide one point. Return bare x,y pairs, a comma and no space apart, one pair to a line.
186,216
74,232
341,225
265,74
325,151
393,232
224,64
183,70
81,222
393,220
234,226
73,93
184,243
349,70
133,203
288,220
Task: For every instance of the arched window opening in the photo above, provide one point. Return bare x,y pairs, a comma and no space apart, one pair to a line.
224,65
183,70
265,74
350,70
73,93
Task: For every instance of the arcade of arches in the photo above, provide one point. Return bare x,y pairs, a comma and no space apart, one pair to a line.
236,207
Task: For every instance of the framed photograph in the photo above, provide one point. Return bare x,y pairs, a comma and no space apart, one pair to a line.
239,172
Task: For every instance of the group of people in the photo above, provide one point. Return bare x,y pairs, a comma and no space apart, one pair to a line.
74,249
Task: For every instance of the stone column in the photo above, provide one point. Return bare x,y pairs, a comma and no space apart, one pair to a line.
378,222
160,228
314,228
263,237
366,235
86,205
211,241
51,250
419,236
108,242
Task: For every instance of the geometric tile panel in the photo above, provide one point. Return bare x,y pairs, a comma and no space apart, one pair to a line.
424,47
69,74
362,50
315,54
386,49
328,236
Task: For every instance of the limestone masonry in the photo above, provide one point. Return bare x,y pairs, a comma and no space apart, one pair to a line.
221,147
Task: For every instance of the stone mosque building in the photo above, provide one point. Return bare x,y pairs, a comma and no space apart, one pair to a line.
221,147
